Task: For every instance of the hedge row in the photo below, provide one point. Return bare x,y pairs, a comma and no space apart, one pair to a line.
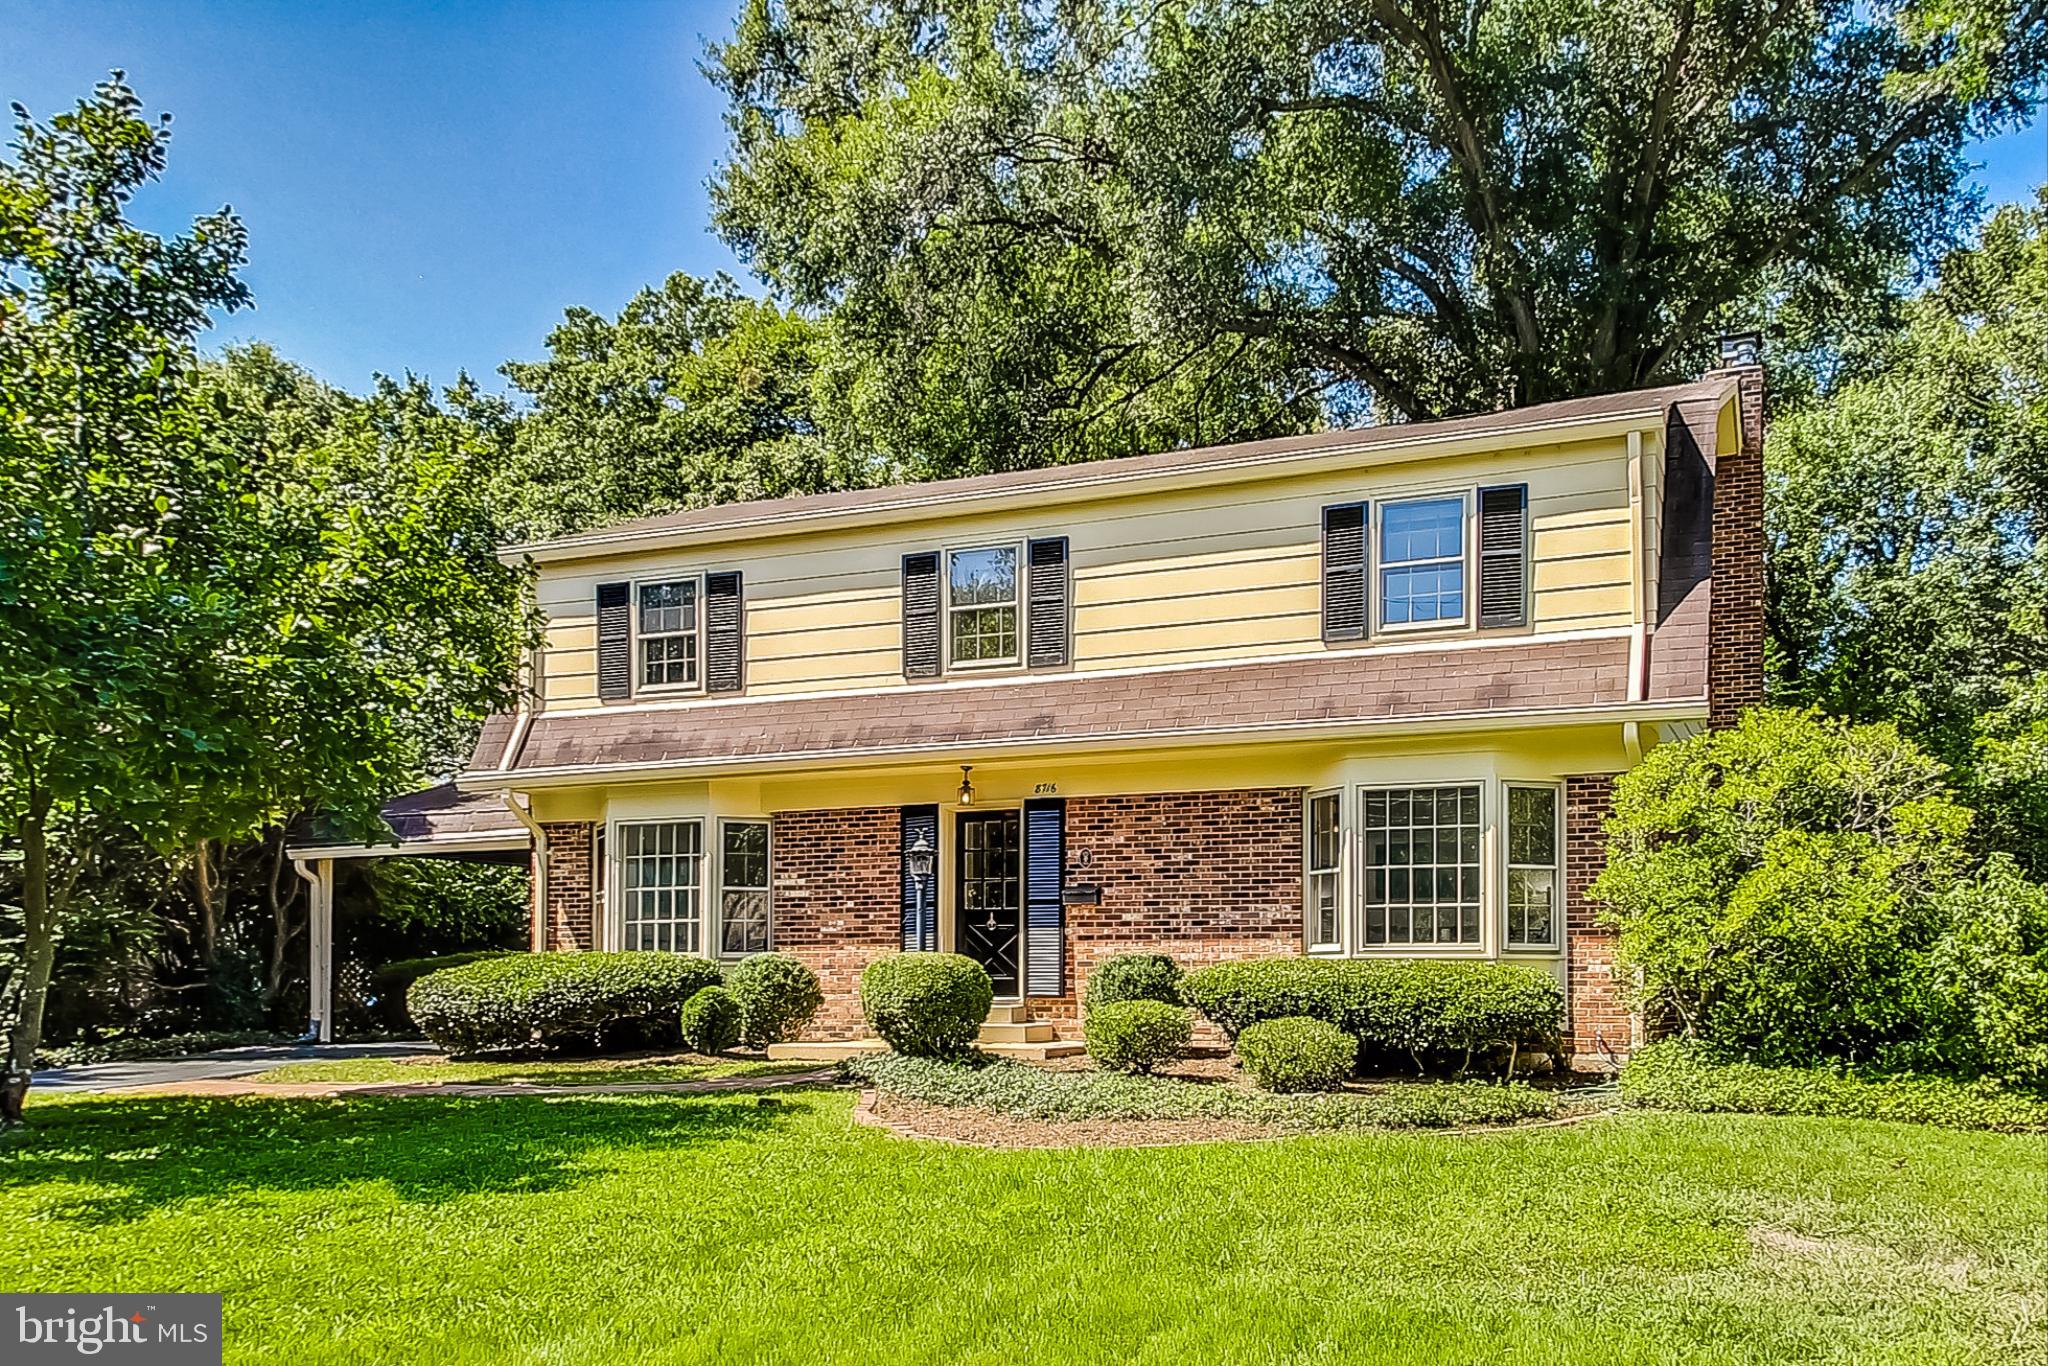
1426,1009
1677,1075
559,1001
1034,1093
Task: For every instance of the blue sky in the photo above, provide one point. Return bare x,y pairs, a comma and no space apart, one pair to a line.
428,186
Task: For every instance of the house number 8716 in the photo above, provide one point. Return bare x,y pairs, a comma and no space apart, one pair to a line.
1045,790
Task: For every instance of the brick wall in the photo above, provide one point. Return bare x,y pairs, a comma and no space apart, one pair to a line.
1599,1026
571,922
1735,652
1204,876
837,902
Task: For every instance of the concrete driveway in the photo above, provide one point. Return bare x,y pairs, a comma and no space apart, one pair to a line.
226,1063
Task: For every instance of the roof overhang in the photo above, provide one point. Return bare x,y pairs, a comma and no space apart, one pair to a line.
1029,747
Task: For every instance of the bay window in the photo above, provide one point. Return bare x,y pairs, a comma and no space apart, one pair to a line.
661,904
743,887
1325,846
1532,868
1421,868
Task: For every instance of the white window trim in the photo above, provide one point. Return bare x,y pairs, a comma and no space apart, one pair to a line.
1556,945
979,666
635,636
1309,873
1487,945
1376,564
717,880
614,937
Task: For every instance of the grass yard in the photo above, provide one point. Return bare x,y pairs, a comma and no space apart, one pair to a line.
713,1228
579,1072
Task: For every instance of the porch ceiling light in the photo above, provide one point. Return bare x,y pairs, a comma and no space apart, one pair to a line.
966,785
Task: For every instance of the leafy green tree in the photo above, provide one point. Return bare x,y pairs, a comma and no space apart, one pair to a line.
1990,975
1906,516
208,620
694,394
1776,884
1049,232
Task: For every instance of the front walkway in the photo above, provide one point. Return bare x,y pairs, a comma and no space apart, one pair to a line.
234,1086
158,1073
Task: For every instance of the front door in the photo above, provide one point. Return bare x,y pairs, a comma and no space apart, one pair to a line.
991,897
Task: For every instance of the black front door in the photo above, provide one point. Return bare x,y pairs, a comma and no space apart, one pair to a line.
991,893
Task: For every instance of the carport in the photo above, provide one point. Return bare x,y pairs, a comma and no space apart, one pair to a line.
440,822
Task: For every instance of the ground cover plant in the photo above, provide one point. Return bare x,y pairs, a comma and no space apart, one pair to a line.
1682,1076
1013,1088
617,1228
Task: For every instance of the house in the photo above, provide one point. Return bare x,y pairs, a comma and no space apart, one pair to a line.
1357,693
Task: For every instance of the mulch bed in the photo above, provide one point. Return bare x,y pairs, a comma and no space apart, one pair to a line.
986,1129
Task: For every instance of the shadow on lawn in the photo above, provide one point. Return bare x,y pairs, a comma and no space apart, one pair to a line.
148,1153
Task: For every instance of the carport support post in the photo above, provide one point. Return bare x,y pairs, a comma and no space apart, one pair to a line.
319,948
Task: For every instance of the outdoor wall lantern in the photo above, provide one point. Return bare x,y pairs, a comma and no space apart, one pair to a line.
919,857
966,785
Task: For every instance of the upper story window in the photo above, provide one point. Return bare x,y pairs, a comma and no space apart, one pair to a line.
1422,562
982,606
1421,865
670,634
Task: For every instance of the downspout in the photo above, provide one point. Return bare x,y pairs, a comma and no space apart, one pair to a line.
538,938
312,881
1639,633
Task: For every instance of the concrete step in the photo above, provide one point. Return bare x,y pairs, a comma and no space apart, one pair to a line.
1022,1031
1016,1014
1035,1052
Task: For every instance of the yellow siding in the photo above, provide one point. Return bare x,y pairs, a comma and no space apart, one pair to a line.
1229,572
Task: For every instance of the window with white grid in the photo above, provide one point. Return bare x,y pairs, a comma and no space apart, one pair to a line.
981,606
1420,865
661,898
669,634
1325,844
1532,868
743,887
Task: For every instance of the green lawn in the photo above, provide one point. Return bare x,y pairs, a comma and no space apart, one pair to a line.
713,1228
580,1072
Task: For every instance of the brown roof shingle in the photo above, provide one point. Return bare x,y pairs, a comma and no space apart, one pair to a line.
1333,690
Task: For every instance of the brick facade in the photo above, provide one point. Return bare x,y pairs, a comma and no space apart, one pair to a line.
838,901
1735,651
1204,876
1599,1027
571,922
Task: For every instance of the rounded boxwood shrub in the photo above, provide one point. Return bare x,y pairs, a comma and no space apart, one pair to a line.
558,1000
711,1021
929,1005
1295,1053
1134,977
393,980
1135,1036
777,997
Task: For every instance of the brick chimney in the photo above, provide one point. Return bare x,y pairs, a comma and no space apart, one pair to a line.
1735,624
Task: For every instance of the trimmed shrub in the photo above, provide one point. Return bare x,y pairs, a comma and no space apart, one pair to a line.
1452,1011
558,1000
1990,976
1136,1035
1681,1075
1295,1053
777,997
391,982
1134,977
710,1021
929,1005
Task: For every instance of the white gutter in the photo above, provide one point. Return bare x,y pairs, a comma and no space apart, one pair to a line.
870,756
539,936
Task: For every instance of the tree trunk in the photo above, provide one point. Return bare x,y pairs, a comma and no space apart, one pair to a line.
209,913
280,899
39,953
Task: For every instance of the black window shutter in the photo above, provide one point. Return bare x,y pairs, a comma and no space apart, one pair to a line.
1504,555
1049,621
1045,856
725,633
921,615
920,904
614,640
1344,597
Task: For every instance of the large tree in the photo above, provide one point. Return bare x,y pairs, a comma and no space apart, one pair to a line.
1908,522
208,619
1051,231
